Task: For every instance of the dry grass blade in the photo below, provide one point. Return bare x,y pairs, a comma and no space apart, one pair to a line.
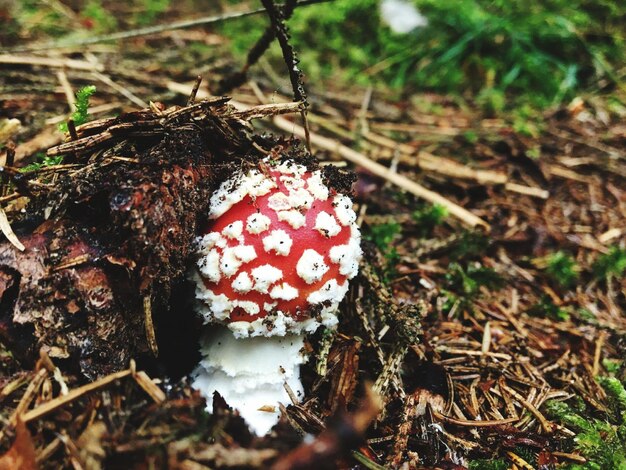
6,229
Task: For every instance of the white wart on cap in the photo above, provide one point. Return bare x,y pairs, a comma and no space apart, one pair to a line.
278,252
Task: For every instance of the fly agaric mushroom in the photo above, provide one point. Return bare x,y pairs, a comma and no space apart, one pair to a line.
273,265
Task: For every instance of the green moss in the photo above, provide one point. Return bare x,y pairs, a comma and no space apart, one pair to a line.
611,264
102,20
484,464
42,160
601,441
35,17
469,245
149,11
428,217
81,113
468,281
546,308
383,235
463,284
612,366
562,268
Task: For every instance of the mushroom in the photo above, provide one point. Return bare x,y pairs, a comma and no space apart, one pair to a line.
273,265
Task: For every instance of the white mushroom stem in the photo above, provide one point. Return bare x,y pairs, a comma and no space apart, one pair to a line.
250,373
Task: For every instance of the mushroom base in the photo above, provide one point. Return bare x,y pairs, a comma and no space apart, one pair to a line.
250,373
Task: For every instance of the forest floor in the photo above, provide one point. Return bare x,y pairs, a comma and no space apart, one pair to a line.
509,253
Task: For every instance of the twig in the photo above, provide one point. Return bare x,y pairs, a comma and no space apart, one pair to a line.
56,403
434,163
121,90
149,325
46,138
569,456
67,89
527,190
448,167
264,42
291,60
362,116
50,62
145,382
194,91
335,440
467,422
266,110
545,424
598,353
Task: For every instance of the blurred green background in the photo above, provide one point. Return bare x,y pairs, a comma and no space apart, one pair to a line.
501,54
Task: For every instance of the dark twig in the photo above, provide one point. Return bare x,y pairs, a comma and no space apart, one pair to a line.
194,91
10,159
291,60
71,127
238,78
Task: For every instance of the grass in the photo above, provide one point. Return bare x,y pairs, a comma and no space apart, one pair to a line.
501,52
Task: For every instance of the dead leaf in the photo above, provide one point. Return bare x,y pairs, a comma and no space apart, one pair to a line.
21,455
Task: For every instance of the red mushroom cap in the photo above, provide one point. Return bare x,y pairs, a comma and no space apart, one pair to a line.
278,253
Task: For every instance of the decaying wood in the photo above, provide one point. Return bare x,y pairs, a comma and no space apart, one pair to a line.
114,232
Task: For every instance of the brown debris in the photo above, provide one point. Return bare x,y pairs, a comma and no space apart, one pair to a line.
21,455
335,441
460,377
